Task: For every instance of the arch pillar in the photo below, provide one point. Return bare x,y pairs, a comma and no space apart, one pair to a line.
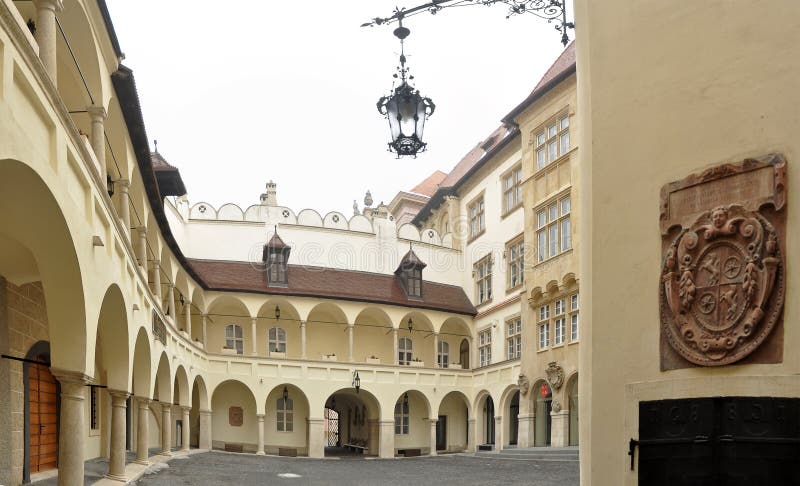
171,300
166,429
260,450
72,426
350,342
188,325
433,422
386,445
185,429
472,432
303,339
525,430
395,360
98,115
143,431
46,34
205,430
157,282
316,438
142,247
498,432
203,319
559,428
124,204
116,462
253,335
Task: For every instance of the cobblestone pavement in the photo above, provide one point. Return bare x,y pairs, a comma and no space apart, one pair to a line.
216,468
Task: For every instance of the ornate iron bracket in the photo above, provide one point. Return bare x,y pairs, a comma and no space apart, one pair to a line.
549,10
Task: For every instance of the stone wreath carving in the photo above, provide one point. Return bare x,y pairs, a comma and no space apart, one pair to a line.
524,384
555,375
722,286
555,406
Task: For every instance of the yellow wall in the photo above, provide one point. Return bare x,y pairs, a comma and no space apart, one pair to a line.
233,394
668,89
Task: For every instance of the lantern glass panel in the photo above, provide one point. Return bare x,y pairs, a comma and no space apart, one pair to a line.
392,115
408,112
421,108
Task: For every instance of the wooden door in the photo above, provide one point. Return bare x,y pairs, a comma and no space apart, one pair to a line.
43,418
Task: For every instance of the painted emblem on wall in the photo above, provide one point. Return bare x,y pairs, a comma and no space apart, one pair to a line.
722,281
235,416
555,375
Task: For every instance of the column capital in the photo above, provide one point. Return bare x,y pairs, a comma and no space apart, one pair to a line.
498,418
185,408
205,412
97,112
156,263
302,323
54,5
67,377
253,319
143,401
118,396
433,421
260,417
124,184
142,230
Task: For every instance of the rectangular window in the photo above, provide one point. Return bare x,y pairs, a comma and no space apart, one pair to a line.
277,340
405,350
514,338
544,335
476,218
414,282
483,280
573,318
233,338
443,354
552,142
401,417
559,331
277,268
515,259
544,312
512,190
485,347
285,417
553,228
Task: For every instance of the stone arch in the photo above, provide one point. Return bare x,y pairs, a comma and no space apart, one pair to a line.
326,334
572,394
509,406
485,413
199,432
286,424
112,349
361,411
227,310
542,406
421,335
372,325
279,313
199,387
162,387
37,244
233,416
80,34
181,392
142,365
457,410
453,331
414,411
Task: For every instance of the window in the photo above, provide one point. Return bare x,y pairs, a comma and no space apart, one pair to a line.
559,324
552,141
544,326
515,259
485,347
233,338
277,267
401,417
285,417
404,347
553,230
514,338
573,318
483,280
277,340
477,222
94,397
443,354
512,189
414,282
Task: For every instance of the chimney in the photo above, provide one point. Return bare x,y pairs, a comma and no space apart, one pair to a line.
270,198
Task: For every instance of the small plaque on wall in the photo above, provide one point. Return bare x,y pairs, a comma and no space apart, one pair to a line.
722,285
235,416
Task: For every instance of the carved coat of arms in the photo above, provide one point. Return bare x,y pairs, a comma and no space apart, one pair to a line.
555,375
722,283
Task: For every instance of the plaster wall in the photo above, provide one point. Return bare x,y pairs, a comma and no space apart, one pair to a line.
705,83
455,410
234,394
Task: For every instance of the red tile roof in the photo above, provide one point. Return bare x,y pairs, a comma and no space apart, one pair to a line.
429,185
474,156
330,283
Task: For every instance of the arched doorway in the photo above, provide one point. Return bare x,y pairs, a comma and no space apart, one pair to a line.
42,405
452,427
572,397
485,425
513,419
351,423
544,400
464,354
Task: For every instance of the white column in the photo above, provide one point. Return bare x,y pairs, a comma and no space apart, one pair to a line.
525,430
142,249
72,424
205,430
143,431
171,302
188,325
185,429
46,34
559,427
203,317
253,322
97,113
166,429
395,346
433,435
435,349
498,432
472,433
316,438
116,462
260,451
350,329
386,447
157,282
124,186
303,339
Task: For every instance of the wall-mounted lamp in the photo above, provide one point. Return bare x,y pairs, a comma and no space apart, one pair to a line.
333,403
405,400
285,394
356,381
277,312
410,325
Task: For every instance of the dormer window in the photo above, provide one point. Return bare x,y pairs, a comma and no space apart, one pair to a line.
410,274
276,260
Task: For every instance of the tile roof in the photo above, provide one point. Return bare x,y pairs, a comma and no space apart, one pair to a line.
474,156
429,185
330,283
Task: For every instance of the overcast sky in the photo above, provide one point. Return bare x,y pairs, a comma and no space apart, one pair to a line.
286,90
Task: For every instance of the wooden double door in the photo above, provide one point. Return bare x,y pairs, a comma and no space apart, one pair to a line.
42,418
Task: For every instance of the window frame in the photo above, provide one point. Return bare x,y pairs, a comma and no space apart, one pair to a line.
284,416
402,412
403,351
238,341
546,221
514,189
515,262
483,282
551,133
513,327
485,347
277,269
442,351
277,341
479,203
574,319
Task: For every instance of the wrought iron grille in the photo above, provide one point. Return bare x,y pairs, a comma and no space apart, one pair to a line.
159,329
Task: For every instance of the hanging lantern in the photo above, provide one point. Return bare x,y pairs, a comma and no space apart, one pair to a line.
410,325
110,186
277,312
285,394
405,108
356,381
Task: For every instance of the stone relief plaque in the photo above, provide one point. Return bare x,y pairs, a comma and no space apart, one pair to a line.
235,416
722,284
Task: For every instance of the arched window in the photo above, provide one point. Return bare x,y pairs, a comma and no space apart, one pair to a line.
401,417
285,417
464,354
233,338
277,340
443,354
404,348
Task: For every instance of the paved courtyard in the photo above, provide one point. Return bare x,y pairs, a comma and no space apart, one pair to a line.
218,469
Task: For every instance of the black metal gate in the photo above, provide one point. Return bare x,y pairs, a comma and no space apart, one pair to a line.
719,441
331,427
